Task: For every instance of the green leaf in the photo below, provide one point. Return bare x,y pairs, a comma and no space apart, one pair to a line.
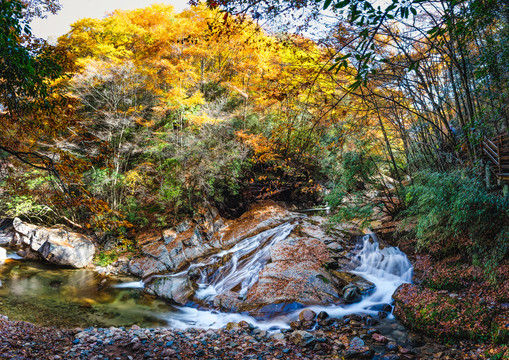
342,4
326,4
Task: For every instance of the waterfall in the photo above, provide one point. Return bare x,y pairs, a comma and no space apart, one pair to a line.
386,268
247,259
238,267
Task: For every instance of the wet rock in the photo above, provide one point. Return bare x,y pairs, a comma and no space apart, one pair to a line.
232,326
56,245
352,293
357,349
415,340
382,314
307,315
344,278
391,346
369,321
380,338
306,325
295,325
302,338
176,289
322,315
228,301
326,322
246,326
390,357
277,337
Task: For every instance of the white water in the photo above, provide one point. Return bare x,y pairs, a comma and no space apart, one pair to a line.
248,258
130,285
386,268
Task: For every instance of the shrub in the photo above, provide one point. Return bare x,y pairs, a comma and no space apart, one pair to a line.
455,213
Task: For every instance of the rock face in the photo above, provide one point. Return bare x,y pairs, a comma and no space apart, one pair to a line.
296,275
207,234
57,246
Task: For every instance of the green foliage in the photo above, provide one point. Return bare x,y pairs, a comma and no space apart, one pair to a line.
356,174
105,258
26,207
453,211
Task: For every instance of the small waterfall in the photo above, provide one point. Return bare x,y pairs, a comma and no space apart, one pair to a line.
386,268
240,271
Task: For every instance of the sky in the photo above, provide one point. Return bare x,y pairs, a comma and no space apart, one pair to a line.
55,25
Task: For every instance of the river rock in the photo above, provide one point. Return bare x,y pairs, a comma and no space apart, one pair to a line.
3,255
295,275
357,349
352,293
6,238
175,288
307,315
56,245
302,338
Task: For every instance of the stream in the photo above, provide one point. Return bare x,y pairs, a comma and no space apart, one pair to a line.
53,296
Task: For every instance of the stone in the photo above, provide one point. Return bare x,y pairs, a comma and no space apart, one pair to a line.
232,326
307,315
3,255
169,235
357,349
415,340
352,293
335,247
302,338
322,315
380,338
56,245
306,325
277,337
6,238
295,325
175,288
246,326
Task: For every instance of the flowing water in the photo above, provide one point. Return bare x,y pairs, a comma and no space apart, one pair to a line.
48,295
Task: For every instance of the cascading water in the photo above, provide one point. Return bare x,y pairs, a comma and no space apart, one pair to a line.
240,268
236,269
386,268
248,258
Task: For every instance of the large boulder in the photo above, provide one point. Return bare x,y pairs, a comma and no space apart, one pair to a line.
56,245
174,288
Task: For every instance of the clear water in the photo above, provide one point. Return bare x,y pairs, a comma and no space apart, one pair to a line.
53,296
